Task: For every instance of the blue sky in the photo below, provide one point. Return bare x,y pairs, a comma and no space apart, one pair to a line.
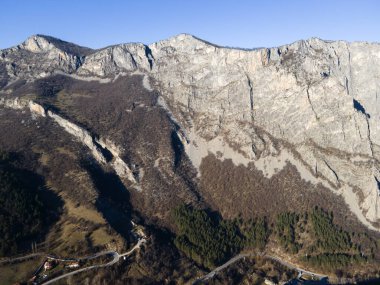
238,23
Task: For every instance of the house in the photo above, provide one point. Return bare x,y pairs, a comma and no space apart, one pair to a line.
73,265
48,265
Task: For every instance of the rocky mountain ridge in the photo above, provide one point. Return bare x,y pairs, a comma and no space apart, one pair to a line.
312,103
99,147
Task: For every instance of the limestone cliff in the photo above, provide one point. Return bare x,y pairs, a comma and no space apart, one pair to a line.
313,103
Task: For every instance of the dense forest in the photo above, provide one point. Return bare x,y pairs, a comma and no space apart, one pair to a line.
312,236
334,260
285,229
210,240
22,213
329,237
333,247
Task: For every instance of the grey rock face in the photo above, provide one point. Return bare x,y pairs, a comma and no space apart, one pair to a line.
41,56
306,94
115,59
314,103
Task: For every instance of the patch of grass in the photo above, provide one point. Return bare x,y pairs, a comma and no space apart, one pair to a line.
72,234
12,273
66,151
44,159
83,212
101,237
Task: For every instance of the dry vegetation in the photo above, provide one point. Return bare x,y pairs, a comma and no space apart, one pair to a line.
12,273
224,185
3,75
96,207
44,149
126,113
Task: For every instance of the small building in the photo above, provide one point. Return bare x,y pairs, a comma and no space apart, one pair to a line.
48,265
141,232
73,265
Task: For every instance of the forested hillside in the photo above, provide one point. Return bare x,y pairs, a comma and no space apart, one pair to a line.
23,215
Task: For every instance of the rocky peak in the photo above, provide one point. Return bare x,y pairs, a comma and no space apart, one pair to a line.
37,44
43,44
182,43
40,56
184,39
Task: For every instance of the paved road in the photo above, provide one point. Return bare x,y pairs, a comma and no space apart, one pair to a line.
274,258
294,267
112,262
138,244
116,257
220,268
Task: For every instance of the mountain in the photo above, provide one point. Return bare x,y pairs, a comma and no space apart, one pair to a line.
132,131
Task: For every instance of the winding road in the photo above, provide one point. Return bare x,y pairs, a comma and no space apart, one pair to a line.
236,258
116,257
223,266
294,267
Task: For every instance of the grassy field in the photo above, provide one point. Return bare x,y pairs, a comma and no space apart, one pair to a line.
12,273
100,237
83,212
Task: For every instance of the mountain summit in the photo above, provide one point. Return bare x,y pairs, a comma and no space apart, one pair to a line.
285,135
305,94
42,43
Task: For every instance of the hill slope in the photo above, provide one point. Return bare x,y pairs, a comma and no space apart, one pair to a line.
247,133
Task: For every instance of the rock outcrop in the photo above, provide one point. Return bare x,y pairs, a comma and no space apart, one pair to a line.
98,147
40,56
313,103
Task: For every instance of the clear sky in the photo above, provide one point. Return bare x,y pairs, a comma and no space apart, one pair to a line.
238,23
